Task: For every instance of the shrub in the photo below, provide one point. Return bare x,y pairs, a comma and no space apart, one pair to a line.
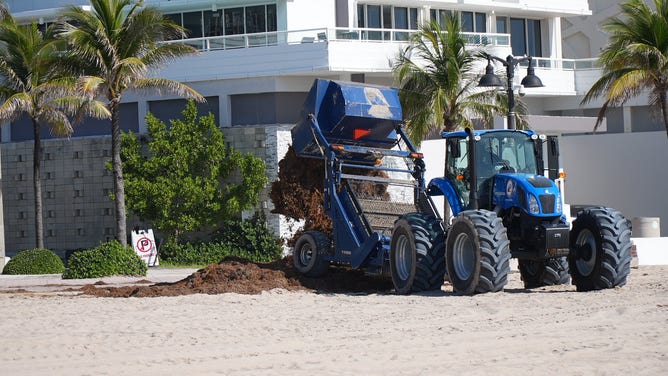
194,253
34,261
250,240
107,259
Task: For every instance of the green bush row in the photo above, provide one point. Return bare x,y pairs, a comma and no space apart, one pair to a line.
250,239
107,259
34,261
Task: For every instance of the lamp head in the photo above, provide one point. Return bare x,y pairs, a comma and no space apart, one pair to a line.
490,79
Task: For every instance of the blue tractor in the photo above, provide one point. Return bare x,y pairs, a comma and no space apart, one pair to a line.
501,205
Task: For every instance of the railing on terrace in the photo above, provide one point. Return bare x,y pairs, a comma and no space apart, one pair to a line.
321,35
276,38
564,64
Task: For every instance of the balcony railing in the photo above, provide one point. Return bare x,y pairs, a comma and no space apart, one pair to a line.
564,64
323,35
276,38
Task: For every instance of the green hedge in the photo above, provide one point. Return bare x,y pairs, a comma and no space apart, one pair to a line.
35,261
107,259
251,240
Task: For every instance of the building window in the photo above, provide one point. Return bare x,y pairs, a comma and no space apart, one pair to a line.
106,211
228,21
50,194
22,215
51,214
78,193
525,35
77,212
78,174
80,232
386,17
470,21
21,196
50,233
77,155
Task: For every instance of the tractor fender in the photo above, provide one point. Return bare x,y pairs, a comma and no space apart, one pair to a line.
444,187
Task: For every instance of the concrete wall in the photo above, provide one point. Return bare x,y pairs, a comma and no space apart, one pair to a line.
627,171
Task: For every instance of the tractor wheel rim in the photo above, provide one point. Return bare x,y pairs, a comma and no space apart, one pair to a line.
586,262
305,254
402,261
463,257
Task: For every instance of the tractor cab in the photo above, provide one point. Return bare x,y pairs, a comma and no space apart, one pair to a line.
498,169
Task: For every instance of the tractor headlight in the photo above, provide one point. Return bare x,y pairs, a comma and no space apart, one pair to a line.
560,208
533,205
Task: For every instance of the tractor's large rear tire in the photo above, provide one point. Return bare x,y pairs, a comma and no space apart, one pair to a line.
477,253
544,272
417,252
600,243
308,254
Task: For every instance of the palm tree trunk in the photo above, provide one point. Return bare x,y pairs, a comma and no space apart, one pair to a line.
664,110
37,185
119,184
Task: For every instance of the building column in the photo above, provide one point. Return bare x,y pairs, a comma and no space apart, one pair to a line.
6,129
628,121
554,25
142,111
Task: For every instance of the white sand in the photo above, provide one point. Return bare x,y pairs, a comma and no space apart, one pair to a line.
547,331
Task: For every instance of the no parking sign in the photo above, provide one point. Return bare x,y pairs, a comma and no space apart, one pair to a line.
143,243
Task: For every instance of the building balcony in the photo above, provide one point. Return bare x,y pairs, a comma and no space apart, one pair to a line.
327,51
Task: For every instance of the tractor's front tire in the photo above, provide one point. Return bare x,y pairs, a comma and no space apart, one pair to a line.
308,254
477,253
417,254
541,273
600,243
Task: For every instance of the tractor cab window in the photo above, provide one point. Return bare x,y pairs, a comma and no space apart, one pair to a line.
505,152
456,168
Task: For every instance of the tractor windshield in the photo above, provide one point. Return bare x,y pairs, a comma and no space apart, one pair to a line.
498,152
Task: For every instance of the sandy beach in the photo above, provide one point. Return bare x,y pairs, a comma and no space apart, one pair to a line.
546,331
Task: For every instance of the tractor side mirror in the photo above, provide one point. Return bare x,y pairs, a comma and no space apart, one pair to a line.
453,148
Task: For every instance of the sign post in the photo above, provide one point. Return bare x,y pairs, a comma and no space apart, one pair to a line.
143,243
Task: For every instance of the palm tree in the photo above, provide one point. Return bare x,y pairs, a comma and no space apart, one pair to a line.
438,83
29,85
635,58
114,46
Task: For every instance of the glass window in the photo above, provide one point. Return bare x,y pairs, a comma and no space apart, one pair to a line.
373,16
387,17
533,37
480,22
502,25
234,21
361,15
400,18
176,18
467,21
518,36
271,17
255,19
192,21
213,23
414,18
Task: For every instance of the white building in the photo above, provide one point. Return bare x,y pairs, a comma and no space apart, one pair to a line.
258,60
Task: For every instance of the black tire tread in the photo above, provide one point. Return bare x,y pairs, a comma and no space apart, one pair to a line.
495,252
430,251
615,237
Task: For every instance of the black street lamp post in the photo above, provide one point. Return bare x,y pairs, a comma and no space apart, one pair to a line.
491,79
